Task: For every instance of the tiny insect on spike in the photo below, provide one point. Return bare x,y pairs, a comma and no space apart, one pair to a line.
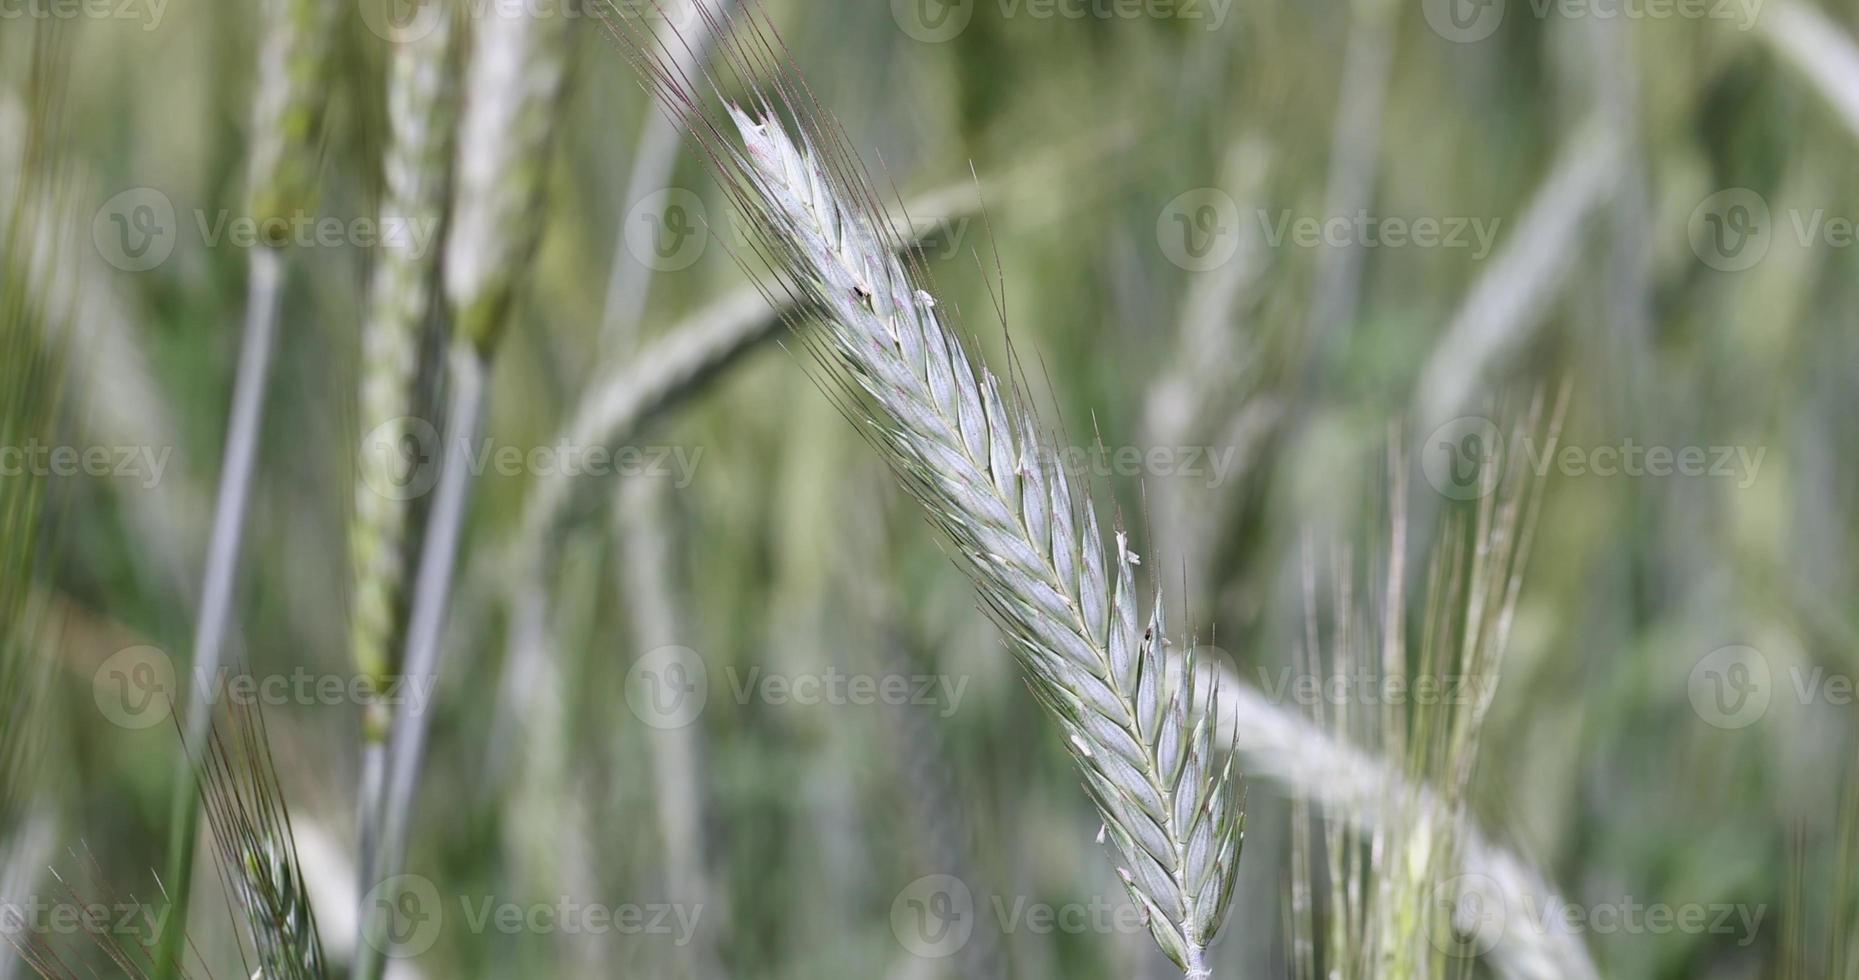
1103,832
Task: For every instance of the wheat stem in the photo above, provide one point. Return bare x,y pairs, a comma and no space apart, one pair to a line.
287,120
238,463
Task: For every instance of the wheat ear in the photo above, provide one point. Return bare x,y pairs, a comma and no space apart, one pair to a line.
421,103
518,60
257,849
976,460
990,484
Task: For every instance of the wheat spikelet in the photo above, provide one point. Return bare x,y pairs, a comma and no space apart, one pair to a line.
287,113
1355,786
256,849
518,61
421,96
255,855
969,451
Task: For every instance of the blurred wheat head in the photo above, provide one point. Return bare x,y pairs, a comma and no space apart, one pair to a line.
397,347
1390,898
288,108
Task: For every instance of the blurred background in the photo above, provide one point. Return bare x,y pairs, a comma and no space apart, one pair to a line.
1241,249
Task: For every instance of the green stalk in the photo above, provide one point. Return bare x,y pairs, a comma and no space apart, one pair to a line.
287,126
